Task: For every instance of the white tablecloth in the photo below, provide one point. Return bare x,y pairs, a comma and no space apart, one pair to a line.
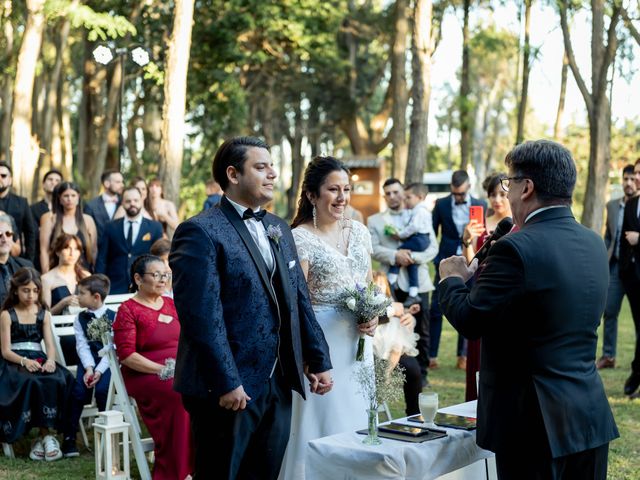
344,456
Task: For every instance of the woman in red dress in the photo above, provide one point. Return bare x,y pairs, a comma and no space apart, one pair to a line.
146,332
473,239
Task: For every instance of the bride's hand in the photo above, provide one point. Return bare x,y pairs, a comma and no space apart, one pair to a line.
370,327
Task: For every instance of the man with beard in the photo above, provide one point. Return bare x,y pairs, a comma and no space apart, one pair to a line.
124,240
50,181
615,294
104,206
18,208
8,264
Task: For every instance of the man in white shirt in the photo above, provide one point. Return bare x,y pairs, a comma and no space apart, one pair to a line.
104,206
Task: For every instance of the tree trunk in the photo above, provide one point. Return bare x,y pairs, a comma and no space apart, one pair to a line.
151,128
400,94
64,121
175,97
563,93
597,103
109,131
421,90
465,91
522,108
7,90
297,161
24,146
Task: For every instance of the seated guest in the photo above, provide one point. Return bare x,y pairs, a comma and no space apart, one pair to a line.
66,217
17,244
146,332
124,240
92,291
59,284
33,389
141,184
8,264
161,249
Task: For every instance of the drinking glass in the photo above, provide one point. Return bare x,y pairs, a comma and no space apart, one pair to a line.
428,404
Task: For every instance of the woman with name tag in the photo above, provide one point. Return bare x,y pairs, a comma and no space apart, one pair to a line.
146,332
33,389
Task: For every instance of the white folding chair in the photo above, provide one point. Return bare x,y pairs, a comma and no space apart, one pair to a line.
117,299
7,449
118,399
384,408
62,325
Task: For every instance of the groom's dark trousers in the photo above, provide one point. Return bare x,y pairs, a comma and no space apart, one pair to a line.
245,444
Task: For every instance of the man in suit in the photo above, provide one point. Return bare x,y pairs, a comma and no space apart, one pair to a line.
450,215
104,206
18,208
50,181
386,250
630,275
537,304
247,326
615,294
8,264
124,240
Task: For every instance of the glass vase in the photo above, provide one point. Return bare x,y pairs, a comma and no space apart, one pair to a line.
372,428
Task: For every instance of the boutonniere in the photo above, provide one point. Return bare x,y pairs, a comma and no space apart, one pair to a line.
274,233
146,237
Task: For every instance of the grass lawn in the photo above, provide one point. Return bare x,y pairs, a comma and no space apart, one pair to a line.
624,456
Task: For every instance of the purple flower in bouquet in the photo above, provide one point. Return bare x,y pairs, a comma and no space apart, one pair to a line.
365,303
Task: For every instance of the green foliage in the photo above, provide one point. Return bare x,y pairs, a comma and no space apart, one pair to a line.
100,26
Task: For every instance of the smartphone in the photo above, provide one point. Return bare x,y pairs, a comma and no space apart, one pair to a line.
404,429
476,213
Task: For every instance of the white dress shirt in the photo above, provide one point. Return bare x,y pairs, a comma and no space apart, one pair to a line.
82,345
136,223
110,204
419,222
258,233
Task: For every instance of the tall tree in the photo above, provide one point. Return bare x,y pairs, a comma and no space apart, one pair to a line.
175,97
7,89
399,88
526,67
603,52
421,49
563,94
465,103
24,146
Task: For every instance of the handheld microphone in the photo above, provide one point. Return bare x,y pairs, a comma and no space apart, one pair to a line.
504,227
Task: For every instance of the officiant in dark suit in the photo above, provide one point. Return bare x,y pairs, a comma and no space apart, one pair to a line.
124,240
538,299
248,329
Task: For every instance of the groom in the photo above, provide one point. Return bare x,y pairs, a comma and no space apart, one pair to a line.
247,326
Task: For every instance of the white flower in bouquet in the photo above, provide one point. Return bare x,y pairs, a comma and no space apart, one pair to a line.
365,303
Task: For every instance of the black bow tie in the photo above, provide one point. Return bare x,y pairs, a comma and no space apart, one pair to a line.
258,216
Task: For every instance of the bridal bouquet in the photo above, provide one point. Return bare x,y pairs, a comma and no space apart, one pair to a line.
365,303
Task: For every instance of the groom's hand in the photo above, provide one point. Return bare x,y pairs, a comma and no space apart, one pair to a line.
320,383
235,399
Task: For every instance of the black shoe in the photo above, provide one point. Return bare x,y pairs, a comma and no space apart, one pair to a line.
632,383
425,382
69,448
412,301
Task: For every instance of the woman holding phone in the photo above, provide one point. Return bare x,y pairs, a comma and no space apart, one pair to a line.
473,238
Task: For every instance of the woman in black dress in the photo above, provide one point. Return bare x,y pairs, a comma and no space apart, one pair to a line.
33,389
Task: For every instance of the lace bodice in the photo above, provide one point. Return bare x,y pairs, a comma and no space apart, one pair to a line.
330,272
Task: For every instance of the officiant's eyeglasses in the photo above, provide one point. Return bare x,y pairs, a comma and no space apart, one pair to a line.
6,234
159,276
505,182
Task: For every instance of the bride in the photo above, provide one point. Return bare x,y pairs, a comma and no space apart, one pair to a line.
334,253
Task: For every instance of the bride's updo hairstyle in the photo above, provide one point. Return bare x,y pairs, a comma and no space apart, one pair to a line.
314,176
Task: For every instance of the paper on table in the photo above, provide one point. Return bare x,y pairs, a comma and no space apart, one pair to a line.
467,409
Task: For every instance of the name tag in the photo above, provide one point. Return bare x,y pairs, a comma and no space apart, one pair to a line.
165,318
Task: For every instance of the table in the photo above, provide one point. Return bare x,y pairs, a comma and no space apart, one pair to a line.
344,456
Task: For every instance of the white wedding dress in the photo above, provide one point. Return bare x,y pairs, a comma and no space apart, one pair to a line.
343,409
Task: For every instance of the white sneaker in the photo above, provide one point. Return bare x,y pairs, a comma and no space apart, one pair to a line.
37,450
52,449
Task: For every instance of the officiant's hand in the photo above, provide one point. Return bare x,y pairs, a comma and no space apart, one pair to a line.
320,383
235,399
369,328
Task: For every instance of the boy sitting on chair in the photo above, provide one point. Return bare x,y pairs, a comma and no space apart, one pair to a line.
92,291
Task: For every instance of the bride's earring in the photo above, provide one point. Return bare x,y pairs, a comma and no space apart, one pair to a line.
315,217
